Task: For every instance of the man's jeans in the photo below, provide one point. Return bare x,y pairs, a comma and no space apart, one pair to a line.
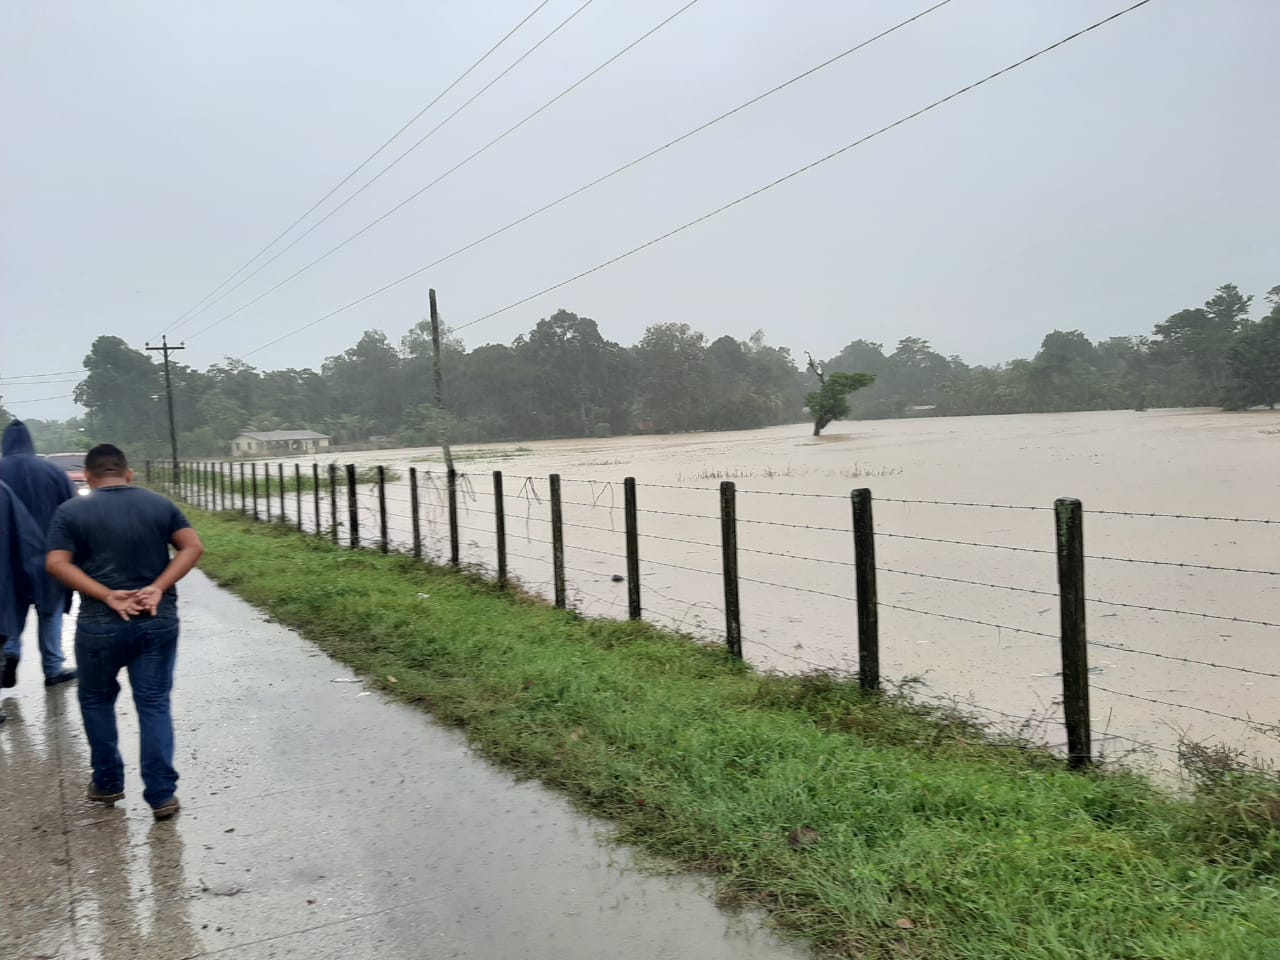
49,629
148,648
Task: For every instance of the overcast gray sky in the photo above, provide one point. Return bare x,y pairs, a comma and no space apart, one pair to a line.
151,148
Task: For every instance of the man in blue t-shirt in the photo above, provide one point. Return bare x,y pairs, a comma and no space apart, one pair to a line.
113,547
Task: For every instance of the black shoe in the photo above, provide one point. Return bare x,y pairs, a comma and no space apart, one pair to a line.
94,795
57,678
10,672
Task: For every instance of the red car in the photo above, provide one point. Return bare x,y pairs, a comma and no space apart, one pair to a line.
73,464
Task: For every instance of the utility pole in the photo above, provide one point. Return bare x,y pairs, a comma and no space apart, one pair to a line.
440,411
444,432
165,349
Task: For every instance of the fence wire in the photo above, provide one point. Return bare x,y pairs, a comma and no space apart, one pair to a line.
221,488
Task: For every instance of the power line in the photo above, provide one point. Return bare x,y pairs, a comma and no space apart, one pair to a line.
40,383
617,170
807,167
14,403
727,206
37,377
202,302
414,146
457,166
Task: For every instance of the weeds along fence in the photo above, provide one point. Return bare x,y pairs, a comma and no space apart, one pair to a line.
983,606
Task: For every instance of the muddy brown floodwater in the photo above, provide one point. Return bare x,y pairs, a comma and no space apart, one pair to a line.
794,534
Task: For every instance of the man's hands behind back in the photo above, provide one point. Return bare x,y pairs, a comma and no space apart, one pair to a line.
132,603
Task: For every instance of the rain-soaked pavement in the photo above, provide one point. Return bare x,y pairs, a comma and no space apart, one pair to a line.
318,821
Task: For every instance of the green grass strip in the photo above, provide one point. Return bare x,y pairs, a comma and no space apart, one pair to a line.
875,828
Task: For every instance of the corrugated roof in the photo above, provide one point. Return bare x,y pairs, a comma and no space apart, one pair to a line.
270,435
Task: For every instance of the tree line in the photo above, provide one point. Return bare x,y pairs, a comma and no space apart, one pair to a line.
565,379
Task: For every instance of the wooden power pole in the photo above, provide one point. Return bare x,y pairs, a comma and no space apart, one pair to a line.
165,349
442,426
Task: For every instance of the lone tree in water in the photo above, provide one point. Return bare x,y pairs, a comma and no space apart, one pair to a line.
831,400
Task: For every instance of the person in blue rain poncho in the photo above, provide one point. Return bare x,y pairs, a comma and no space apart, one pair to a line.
22,558
40,487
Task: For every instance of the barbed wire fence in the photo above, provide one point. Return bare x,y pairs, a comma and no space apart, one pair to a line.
808,565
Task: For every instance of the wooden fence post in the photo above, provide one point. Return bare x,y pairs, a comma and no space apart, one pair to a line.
333,502
729,551
1069,517
455,556
864,575
557,541
253,480
382,509
500,528
223,468
633,548
315,494
415,513
297,491
284,512
266,490
146,472
353,508
244,497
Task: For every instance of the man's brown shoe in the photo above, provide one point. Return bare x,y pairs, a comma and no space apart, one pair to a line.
94,795
167,809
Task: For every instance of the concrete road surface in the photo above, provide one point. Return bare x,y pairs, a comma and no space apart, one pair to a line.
318,821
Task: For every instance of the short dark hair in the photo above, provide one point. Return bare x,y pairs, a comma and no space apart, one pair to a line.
106,460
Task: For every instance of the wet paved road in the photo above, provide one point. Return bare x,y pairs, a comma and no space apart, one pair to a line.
319,821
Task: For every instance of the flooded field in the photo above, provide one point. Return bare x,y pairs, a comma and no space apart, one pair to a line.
990,642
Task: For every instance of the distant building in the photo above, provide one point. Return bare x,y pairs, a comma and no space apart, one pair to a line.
278,441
